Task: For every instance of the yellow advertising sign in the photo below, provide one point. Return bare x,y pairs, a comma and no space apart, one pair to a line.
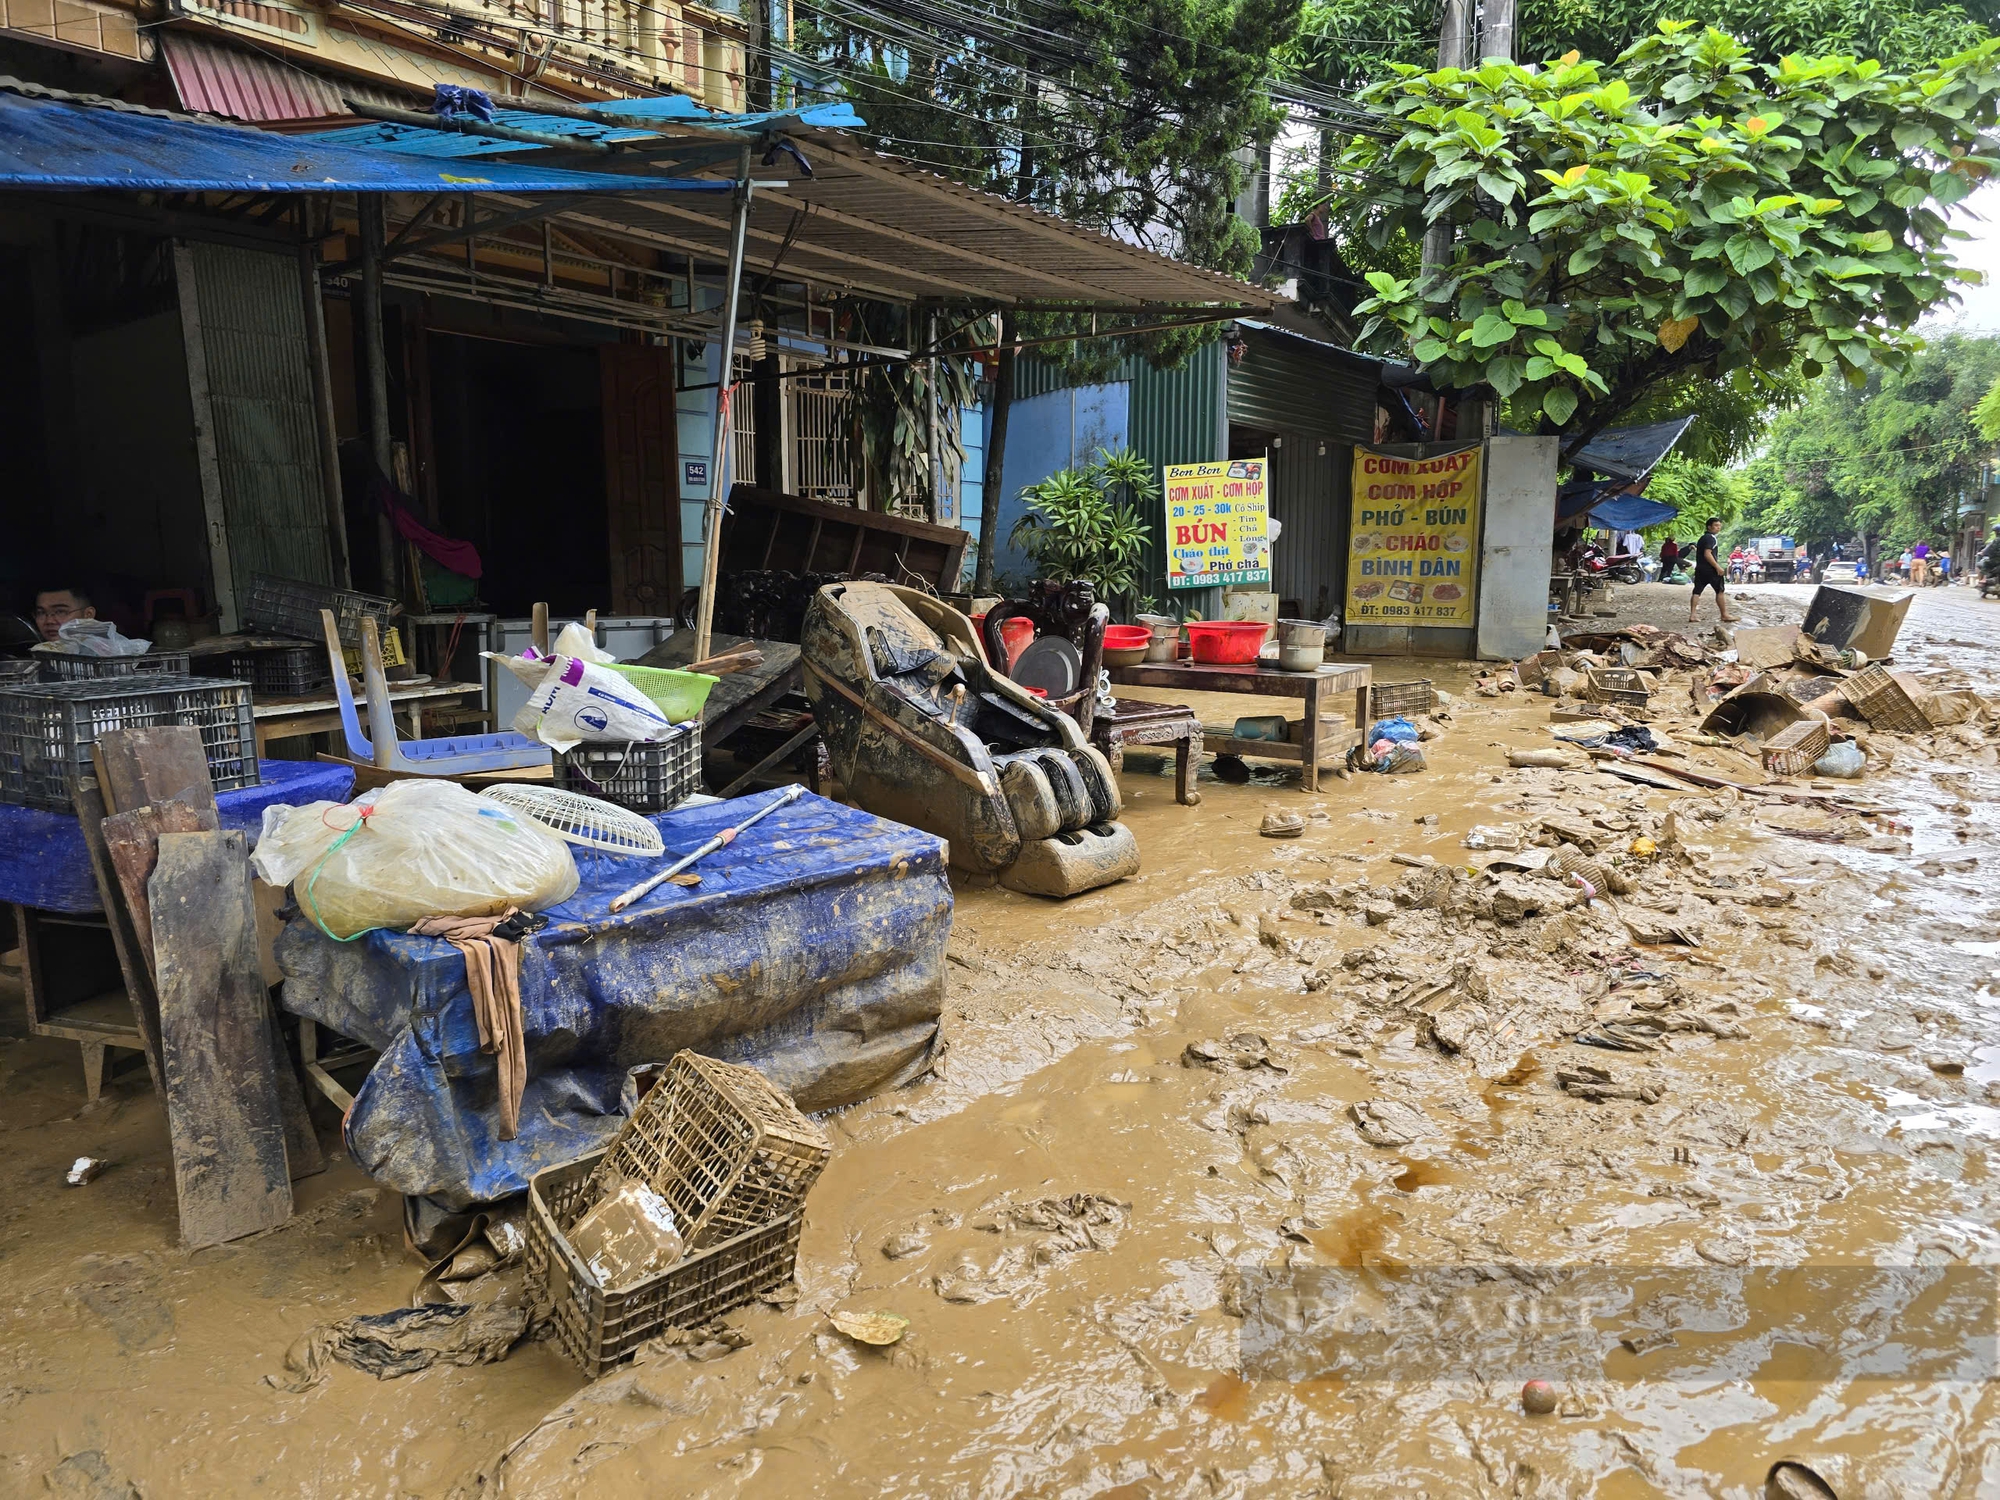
1216,524
1413,539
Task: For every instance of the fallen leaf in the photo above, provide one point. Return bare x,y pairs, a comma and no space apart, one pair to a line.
870,1328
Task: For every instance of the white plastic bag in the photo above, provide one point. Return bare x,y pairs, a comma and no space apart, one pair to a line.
530,667
579,700
95,638
414,849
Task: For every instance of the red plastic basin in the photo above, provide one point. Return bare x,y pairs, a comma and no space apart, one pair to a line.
1227,642
1127,637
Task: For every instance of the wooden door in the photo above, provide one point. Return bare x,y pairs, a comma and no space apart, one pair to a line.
641,478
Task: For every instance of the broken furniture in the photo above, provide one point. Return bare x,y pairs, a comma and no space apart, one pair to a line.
46,874
1068,611
1134,721
813,951
770,530
455,755
759,710
1319,749
921,729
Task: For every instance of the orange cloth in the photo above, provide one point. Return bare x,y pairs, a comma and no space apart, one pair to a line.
493,975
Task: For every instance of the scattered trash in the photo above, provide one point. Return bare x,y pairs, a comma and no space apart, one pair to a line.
1538,1398
1647,1341
576,819
405,1341
84,1169
1550,760
1844,762
1791,1480
1624,1036
701,1343
1282,825
879,1329
1484,836
1246,1050
626,1236
1587,1081
1643,847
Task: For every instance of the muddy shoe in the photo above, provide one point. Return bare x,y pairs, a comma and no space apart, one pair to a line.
1282,825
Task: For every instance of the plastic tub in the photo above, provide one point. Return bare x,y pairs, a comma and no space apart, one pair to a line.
1017,634
1126,645
1227,642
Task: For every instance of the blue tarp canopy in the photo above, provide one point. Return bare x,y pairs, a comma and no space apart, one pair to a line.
812,949
670,110
1630,453
51,144
1632,512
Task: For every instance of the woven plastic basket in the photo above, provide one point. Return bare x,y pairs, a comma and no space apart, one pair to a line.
1883,701
1793,749
1400,700
1620,685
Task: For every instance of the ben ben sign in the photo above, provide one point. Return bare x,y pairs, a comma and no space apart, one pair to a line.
1217,530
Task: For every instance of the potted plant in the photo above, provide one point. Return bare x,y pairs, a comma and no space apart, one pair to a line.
1088,524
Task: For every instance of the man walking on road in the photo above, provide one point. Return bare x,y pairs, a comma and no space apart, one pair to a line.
1708,573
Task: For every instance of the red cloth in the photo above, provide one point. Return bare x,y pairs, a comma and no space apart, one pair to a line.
447,552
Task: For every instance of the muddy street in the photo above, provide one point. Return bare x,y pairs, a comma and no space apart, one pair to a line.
1277,1169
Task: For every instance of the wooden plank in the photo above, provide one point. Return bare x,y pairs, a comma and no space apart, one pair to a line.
133,963
223,1111
132,839
136,767
303,1158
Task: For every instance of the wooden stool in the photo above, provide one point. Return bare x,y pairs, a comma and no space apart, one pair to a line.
1131,722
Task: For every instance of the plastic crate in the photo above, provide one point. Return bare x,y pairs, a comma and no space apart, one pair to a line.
598,1329
271,671
1883,701
646,777
1620,685
1400,700
290,606
46,730
1793,749
726,1149
81,666
15,670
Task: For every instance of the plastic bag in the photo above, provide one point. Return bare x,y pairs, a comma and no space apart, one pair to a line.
1400,731
1844,761
414,849
95,638
579,700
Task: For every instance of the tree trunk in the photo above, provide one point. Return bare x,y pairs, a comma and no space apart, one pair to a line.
996,455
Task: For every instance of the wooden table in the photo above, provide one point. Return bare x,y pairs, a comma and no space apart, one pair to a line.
739,696
281,718
1260,681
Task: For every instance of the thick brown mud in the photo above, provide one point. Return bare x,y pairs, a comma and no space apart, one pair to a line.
1139,1223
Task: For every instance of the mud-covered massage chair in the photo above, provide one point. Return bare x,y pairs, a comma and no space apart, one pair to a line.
922,730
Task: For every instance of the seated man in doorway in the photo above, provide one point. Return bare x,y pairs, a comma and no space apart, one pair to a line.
55,608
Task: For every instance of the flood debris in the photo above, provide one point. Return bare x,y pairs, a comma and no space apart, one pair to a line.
876,1328
1599,1086
405,1341
84,1170
1390,1122
1245,1051
1538,1398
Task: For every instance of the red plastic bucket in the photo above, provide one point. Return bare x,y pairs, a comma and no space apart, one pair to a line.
1227,642
1017,634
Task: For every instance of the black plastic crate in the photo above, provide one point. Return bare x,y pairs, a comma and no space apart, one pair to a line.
645,777
81,666
47,729
290,606
1400,700
271,671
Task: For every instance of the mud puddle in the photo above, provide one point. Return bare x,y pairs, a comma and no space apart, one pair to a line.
1146,1246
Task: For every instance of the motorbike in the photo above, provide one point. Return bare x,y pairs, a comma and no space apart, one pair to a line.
1989,578
1623,568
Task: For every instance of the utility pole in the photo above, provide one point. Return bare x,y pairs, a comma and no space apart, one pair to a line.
1454,51
1496,37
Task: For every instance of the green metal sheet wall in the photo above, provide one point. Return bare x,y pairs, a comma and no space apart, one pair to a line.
1177,418
1287,384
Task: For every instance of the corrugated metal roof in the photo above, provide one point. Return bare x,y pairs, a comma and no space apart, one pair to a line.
217,79
48,144
1288,383
881,227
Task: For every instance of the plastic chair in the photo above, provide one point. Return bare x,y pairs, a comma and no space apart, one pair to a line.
452,755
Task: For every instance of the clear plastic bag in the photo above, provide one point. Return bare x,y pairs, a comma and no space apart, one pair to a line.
414,849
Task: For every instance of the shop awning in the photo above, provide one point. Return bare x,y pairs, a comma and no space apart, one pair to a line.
848,218
1629,453
66,144
1632,512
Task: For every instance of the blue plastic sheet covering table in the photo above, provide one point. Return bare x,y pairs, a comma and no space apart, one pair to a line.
813,949
43,861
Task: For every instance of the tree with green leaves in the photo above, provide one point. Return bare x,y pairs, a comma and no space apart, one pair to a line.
1891,459
1686,213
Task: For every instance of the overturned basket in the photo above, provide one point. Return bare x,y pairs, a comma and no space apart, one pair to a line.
735,1159
1884,702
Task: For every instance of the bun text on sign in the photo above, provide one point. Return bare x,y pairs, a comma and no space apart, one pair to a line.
1216,524
1413,539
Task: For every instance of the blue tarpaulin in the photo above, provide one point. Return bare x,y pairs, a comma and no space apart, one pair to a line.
1632,512
51,144
813,949
43,861
673,109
